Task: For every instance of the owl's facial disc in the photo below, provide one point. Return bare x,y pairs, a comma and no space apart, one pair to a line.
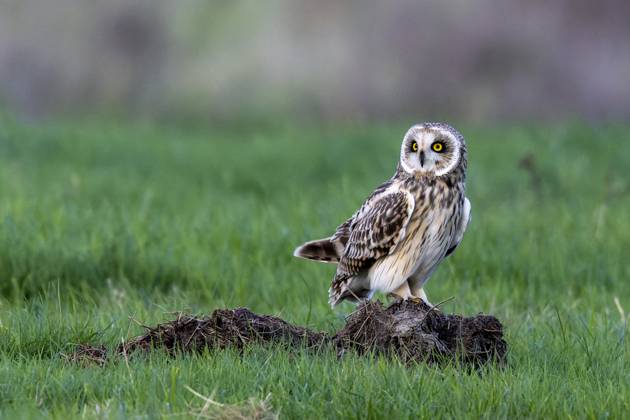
429,150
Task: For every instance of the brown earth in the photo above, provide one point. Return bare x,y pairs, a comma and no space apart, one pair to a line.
413,332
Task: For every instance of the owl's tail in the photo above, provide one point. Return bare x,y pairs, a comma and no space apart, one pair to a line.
323,250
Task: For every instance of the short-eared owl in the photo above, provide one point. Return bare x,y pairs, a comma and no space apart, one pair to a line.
407,226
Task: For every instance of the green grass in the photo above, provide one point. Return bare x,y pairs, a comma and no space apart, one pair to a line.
101,222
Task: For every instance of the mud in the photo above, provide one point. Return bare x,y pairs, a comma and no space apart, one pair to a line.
412,332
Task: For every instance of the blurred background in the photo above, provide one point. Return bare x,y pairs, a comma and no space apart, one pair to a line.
316,60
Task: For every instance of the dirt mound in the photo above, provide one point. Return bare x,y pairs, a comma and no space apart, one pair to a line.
413,332
224,328
416,332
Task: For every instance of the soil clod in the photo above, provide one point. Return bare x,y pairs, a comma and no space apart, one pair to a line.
413,332
417,332
224,328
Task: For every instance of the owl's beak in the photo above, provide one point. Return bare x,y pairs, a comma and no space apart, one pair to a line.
422,158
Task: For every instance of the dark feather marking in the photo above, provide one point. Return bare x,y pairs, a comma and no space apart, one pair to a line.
450,250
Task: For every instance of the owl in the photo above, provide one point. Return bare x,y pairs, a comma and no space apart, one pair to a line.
406,227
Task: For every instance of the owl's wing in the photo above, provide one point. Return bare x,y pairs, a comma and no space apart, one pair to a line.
373,233
330,250
462,227
342,234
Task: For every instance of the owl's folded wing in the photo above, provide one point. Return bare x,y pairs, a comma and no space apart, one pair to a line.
374,232
463,225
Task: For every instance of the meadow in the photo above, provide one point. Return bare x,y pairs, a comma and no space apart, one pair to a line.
105,226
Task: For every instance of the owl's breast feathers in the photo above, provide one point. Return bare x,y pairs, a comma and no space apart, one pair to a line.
380,226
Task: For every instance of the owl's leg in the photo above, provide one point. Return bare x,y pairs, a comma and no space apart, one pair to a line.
403,292
420,294
416,283
417,291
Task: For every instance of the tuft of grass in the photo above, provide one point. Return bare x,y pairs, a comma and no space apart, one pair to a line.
102,224
252,409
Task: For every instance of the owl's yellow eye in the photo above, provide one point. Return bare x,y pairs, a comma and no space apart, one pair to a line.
438,146
414,146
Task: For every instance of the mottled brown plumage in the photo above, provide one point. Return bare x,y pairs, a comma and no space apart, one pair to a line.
407,226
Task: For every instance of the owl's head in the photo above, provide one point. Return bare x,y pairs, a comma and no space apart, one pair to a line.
432,148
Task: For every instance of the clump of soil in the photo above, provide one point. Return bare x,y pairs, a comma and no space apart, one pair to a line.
224,328
416,332
413,332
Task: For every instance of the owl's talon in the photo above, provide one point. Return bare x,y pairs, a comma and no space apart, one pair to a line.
395,297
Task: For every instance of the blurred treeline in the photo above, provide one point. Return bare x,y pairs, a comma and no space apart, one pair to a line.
324,59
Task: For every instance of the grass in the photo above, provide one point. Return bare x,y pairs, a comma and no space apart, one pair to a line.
100,222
